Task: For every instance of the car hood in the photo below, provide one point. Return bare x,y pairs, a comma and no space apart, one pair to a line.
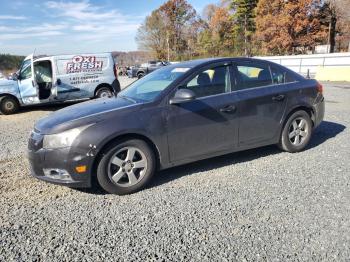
83,114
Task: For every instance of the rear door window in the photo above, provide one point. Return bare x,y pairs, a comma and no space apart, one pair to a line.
251,75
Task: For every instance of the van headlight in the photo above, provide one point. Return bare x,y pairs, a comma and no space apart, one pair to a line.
61,140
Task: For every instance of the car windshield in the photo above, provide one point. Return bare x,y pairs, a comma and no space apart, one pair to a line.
148,88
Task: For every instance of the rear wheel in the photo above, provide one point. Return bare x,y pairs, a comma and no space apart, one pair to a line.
104,92
8,105
126,167
140,75
296,133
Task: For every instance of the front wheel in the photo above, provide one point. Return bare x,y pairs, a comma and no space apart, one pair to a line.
296,133
8,105
126,167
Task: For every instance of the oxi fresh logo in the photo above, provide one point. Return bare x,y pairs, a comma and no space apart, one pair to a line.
84,64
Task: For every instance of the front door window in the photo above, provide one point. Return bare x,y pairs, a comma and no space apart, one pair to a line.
26,70
210,82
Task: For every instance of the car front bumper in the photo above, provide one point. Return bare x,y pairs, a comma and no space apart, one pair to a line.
57,166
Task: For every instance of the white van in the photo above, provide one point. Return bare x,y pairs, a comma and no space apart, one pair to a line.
53,79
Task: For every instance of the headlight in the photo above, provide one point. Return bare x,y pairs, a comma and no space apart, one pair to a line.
64,139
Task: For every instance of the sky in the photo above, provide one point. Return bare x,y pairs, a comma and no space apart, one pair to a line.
73,26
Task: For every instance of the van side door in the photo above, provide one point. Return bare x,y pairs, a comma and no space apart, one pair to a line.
67,81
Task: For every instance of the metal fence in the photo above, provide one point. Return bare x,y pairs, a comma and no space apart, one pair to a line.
304,64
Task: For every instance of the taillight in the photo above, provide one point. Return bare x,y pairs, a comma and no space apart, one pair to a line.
319,88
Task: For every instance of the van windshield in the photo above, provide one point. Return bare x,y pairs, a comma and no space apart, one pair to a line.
149,87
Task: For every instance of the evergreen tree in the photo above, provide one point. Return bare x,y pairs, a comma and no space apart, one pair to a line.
244,24
10,62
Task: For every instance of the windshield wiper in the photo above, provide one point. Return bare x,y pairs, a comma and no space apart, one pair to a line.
128,98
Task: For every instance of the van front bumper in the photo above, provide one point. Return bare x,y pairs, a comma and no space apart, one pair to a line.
57,166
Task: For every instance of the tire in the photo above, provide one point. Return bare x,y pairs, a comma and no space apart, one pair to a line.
118,173
140,75
104,92
296,132
8,105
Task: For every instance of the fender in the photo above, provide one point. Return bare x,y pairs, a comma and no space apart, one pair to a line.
7,87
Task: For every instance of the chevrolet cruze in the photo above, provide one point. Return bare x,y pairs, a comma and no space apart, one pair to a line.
178,114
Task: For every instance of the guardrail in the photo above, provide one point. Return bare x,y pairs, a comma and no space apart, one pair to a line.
311,64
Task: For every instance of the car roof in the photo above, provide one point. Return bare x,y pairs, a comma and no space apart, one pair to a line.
197,62
201,62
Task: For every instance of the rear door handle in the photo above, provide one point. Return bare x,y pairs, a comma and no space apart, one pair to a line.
228,109
278,98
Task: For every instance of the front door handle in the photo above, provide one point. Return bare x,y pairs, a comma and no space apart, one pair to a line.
228,109
278,98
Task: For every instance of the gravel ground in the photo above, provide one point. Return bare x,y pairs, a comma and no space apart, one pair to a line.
255,205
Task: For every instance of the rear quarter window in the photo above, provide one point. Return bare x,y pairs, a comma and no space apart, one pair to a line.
280,76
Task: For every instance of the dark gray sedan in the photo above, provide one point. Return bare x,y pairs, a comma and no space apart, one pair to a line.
176,115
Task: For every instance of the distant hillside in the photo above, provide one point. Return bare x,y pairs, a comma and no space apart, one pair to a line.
131,58
10,62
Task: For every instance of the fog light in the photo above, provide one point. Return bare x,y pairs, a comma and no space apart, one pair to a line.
59,174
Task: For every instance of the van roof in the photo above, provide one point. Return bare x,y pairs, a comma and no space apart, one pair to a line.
74,54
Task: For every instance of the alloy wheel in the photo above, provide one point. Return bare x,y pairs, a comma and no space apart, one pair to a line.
127,166
298,131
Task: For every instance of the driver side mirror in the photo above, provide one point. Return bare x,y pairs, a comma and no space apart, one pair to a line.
15,77
182,96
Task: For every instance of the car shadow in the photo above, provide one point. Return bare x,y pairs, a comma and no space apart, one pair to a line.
324,132
95,189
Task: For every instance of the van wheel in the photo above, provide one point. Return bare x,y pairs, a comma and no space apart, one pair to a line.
104,92
8,105
296,133
126,167
140,75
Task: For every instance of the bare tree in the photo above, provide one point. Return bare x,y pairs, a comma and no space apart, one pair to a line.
337,10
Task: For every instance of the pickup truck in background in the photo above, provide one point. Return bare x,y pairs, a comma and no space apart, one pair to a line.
146,68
